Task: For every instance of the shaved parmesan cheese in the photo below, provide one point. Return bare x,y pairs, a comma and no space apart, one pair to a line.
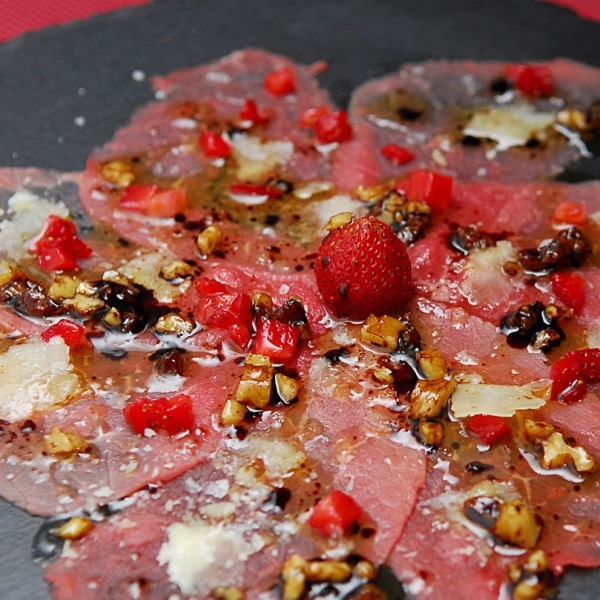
145,271
256,158
35,376
278,457
199,557
497,400
508,126
27,213
325,209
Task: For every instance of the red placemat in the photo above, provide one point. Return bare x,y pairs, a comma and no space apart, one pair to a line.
18,16
17,19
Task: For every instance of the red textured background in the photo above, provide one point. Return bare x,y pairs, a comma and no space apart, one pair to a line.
19,16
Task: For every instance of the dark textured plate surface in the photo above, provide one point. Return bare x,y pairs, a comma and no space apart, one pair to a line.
52,77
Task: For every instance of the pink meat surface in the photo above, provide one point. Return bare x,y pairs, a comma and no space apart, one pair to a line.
437,93
120,461
161,130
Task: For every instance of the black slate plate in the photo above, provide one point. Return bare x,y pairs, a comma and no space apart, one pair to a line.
51,77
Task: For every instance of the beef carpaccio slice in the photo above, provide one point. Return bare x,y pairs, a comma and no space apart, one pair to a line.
466,119
161,145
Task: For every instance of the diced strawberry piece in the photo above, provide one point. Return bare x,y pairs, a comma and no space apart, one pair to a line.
572,372
213,145
251,189
167,203
59,247
432,188
531,80
487,428
397,154
281,82
310,116
71,333
363,268
333,127
219,307
334,514
149,199
276,340
573,213
171,415
250,112
569,288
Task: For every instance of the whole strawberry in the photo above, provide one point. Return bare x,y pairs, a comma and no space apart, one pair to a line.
362,268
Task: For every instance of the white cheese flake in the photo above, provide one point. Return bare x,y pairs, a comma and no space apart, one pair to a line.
35,376
497,400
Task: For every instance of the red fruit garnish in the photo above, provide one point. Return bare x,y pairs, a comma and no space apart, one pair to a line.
311,115
572,372
569,288
531,80
171,415
432,188
213,145
573,213
71,333
149,199
281,82
251,112
275,339
397,154
363,268
487,428
333,127
334,514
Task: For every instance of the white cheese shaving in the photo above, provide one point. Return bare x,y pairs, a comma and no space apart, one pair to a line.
325,209
35,376
28,214
199,557
497,400
278,457
256,158
145,271
508,126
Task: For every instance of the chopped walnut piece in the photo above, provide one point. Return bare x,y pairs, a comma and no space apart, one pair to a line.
383,375
537,430
338,221
118,172
431,432
517,525
113,276
429,398
382,331
176,270
228,593
365,570
63,287
74,529
432,364
328,570
209,240
532,579
63,445
572,118
256,383
294,577
286,388
174,324
233,412
557,453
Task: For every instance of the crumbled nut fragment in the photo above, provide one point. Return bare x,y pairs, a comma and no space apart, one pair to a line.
63,286
287,388
256,383
517,525
371,193
429,398
431,432
119,173
86,288
84,304
64,445
112,318
174,324
294,577
262,302
328,570
312,189
533,579
537,430
408,218
365,570
233,412
572,118
382,331
383,375
557,453
113,276
175,270
209,240
338,221
7,272
74,529
468,238
432,364
228,593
